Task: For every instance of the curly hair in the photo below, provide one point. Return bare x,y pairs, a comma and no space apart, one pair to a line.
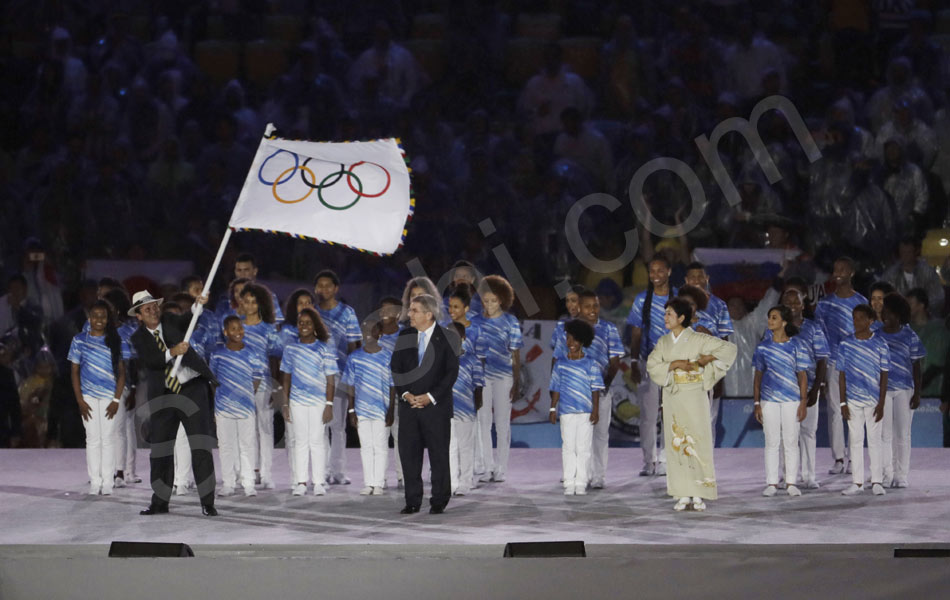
265,304
580,331
699,297
290,307
498,285
319,328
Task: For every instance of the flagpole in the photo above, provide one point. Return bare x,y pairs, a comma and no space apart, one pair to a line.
198,308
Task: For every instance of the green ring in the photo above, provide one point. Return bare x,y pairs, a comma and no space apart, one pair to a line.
339,173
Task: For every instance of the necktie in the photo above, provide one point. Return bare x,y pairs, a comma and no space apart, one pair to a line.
171,382
422,345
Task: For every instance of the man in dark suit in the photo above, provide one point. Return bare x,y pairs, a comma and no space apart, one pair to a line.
425,364
182,398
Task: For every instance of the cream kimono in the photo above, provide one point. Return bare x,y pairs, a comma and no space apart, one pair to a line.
689,443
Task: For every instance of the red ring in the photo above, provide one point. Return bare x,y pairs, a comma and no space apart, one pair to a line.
349,182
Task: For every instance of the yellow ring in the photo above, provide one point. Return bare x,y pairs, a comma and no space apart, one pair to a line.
279,177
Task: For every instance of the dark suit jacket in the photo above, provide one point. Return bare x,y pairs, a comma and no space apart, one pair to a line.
152,360
438,371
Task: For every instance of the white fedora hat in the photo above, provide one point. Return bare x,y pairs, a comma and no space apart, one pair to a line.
140,299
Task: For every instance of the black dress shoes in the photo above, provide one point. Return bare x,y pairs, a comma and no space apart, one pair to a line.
409,510
436,510
209,510
154,510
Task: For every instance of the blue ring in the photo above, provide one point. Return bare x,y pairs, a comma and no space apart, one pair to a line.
289,175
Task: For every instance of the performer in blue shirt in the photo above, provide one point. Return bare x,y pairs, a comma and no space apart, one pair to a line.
98,379
576,385
286,335
780,395
260,335
466,400
126,432
903,388
238,369
812,339
370,405
605,350
645,326
308,375
345,336
389,308
498,346
834,315
863,362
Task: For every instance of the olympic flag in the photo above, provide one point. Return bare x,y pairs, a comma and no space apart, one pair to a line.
355,194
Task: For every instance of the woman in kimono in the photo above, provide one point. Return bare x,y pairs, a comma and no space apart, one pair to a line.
686,365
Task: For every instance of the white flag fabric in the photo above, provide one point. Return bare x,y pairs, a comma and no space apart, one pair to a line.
355,194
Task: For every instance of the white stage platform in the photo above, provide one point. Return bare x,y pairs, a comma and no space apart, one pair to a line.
43,501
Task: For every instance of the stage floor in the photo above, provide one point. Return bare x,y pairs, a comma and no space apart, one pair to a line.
43,501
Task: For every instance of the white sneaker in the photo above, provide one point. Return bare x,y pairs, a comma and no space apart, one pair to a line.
888,481
681,504
837,468
250,491
484,478
853,490
366,491
461,491
811,485
497,478
300,489
698,504
339,480
597,484
226,491
268,484
661,468
877,489
794,491
769,491
132,478
568,490
647,470
94,490
319,490
899,484
106,491
580,490
380,491
181,490
119,482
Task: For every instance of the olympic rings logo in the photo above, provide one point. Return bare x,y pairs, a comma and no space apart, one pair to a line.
344,172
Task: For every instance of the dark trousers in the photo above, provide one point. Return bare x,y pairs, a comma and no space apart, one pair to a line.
421,428
191,409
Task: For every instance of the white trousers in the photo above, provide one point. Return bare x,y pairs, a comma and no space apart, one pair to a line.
100,444
374,451
336,460
496,408
126,438
601,440
577,433
780,424
898,418
237,447
289,447
310,451
807,442
462,454
183,475
264,452
395,433
835,422
649,394
862,417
